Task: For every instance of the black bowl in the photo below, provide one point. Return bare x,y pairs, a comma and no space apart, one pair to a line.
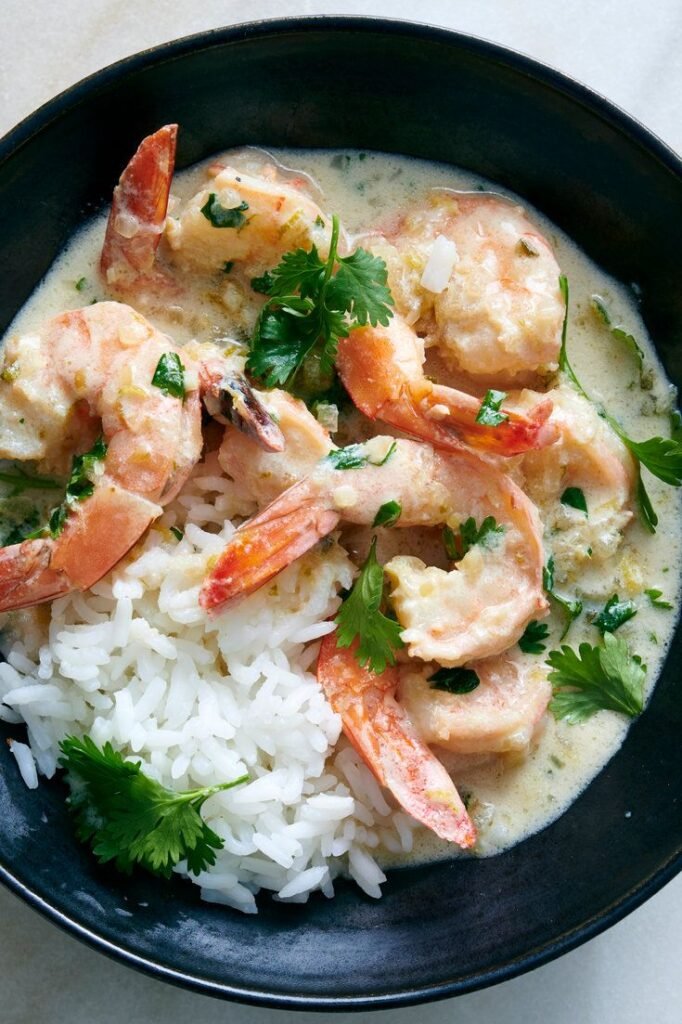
450,927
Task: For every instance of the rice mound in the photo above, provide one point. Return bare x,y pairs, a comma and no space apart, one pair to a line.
204,700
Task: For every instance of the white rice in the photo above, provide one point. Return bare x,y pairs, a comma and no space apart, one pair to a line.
201,701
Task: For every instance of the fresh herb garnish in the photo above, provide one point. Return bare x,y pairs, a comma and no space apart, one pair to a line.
227,266
655,598
312,304
457,544
222,217
360,616
454,680
21,481
262,284
21,529
620,335
131,819
489,414
80,284
574,497
596,678
354,456
662,456
531,641
614,614
81,485
177,532
169,375
570,608
388,514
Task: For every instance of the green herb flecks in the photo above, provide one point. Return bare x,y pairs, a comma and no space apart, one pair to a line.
570,608
177,532
574,497
132,820
532,640
21,481
81,485
388,514
312,304
354,456
614,614
169,375
662,456
655,599
487,535
222,217
454,680
489,414
618,333
360,616
594,679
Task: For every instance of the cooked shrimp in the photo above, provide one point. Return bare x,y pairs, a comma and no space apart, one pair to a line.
94,366
476,610
382,369
502,714
383,734
265,474
588,456
138,216
474,275
269,217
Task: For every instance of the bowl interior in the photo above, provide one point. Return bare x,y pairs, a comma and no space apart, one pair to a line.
442,928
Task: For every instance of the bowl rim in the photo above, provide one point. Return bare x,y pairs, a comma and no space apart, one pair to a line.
621,121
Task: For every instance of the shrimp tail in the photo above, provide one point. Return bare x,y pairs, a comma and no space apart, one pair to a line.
264,546
229,398
383,734
519,433
138,213
26,577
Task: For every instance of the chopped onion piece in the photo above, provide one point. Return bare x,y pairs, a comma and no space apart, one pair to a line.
440,265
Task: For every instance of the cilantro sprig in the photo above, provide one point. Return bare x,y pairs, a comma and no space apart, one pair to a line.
81,485
594,679
454,680
360,616
570,607
222,216
312,304
457,543
662,456
614,614
169,375
489,414
532,640
130,819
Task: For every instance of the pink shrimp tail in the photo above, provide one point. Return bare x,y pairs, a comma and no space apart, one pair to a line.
138,213
263,547
383,734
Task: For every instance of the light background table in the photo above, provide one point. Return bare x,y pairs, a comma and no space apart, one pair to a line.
629,50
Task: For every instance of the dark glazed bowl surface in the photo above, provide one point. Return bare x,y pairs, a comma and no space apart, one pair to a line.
446,928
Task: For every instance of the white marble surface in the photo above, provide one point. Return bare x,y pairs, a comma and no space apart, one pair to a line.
629,50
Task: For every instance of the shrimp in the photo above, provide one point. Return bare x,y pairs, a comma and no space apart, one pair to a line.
587,456
268,218
94,367
138,216
502,714
476,610
265,474
383,734
474,275
382,369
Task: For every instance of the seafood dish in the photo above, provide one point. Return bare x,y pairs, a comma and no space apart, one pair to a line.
339,521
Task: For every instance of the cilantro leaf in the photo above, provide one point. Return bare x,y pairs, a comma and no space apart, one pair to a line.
169,375
360,288
222,217
534,634
389,514
81,484
177,532
21,481
614,614
469,534
574,497
596,678
570,608
351,457
454,680
620,335
489,414
131,819
655,599
312,304
360,616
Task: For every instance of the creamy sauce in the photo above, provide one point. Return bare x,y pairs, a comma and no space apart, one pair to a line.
508,799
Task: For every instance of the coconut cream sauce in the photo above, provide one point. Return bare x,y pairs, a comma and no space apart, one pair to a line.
508,799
